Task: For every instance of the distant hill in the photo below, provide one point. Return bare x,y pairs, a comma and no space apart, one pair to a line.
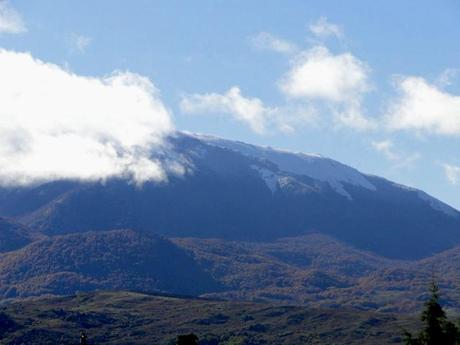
237,191
320,271
121,259
313,270
138,319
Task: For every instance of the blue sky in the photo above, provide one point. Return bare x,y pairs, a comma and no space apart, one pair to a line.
253,71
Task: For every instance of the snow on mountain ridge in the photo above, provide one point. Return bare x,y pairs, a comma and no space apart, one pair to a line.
289,164
311,165
437,204
434,203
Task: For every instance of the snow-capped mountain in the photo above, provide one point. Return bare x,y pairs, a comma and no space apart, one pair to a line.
233,190
314,166
295,163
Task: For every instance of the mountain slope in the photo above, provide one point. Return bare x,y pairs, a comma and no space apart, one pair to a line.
239,191
13,236
313,270
120,259
319,271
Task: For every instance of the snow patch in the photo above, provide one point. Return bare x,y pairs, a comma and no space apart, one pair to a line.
437,205
434,203
270,178
311,165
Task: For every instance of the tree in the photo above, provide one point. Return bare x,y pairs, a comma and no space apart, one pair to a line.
187,339
83,338
438,330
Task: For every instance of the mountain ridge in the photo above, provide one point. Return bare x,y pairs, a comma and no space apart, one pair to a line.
237,191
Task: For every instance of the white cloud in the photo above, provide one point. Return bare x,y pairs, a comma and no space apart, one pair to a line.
267,41
424,107
58,125
399,159
250,111
339,80
10,20
322,28
452,173
79,43
386,147
350,114
447,77
291,117
318,74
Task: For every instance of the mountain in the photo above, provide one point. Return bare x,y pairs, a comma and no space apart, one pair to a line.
13,236
236,191
313,270
316,270
120,259
140,319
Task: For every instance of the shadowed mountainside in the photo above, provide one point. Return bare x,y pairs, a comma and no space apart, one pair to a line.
14,236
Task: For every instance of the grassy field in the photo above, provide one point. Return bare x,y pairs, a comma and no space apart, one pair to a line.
137,318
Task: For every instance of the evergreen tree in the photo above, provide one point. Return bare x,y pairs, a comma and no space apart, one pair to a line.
437,329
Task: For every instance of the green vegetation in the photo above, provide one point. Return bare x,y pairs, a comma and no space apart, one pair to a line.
316,270
335,294
121,318
312,270
438,330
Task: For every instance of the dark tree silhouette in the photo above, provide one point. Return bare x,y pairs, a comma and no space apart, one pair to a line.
83,338
187,339
437,329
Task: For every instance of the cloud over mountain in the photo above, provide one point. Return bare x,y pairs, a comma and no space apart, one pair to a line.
59,125
424,107
452,173
340,80
251,111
